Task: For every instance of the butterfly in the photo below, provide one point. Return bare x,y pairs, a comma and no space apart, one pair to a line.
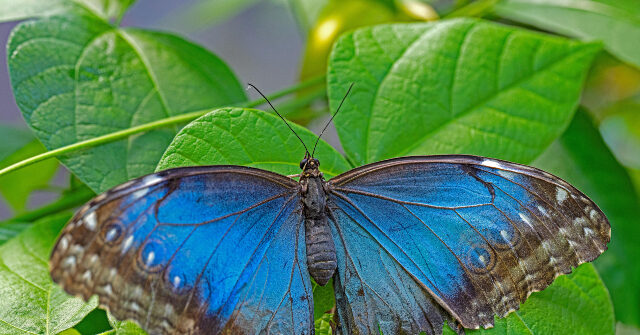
410,242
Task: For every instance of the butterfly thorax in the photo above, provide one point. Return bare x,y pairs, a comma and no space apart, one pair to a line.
321,251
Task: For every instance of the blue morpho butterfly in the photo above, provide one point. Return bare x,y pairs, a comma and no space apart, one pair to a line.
411,242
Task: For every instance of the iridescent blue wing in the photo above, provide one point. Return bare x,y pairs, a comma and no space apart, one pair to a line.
423,238
193,250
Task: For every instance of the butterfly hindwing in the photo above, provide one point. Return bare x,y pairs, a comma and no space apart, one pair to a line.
193,250
470,235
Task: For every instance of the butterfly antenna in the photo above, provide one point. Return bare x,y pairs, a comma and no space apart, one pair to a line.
283,119
331,119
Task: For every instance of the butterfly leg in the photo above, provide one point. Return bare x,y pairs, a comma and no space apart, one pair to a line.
294,175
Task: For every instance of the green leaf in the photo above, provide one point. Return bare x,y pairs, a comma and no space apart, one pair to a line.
323,300
95,322
18,144
323,324
13,10
458,86
582,158
249,137
30,302
615,22
123,328
76,77
574,304
9,230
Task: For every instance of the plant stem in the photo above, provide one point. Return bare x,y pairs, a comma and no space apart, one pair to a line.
475,9
182,118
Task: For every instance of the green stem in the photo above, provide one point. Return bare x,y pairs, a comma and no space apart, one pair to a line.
182,118
68,201
478,8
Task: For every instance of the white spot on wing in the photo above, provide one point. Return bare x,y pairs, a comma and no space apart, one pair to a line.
69,262
481,259
587,231
93,258
111,234
542,210
176,281
135,307
150,257
505,235
491,164
64,243
593,214
151,180
127,243
91,221
87,276
108,290
525,219
140,193
561,195
579,221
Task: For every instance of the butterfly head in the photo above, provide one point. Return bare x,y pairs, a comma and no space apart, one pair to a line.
309,166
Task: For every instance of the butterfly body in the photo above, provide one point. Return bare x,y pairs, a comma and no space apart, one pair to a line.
321,251
410,242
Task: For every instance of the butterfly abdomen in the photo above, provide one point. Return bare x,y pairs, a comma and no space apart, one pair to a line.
321,252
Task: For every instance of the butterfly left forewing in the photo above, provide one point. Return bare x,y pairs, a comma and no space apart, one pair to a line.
478,235
193,250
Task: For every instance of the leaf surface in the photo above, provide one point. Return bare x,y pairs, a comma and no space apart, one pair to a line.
13,10
248,137
614,22
31,303
458,86
75,77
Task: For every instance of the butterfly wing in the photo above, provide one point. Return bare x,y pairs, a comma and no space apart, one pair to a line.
216,249
421,238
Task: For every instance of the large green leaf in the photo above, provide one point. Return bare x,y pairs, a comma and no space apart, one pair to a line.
574,304
13,10
581,157
248,137
16,145
76,77
615,22
459,86
30,302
